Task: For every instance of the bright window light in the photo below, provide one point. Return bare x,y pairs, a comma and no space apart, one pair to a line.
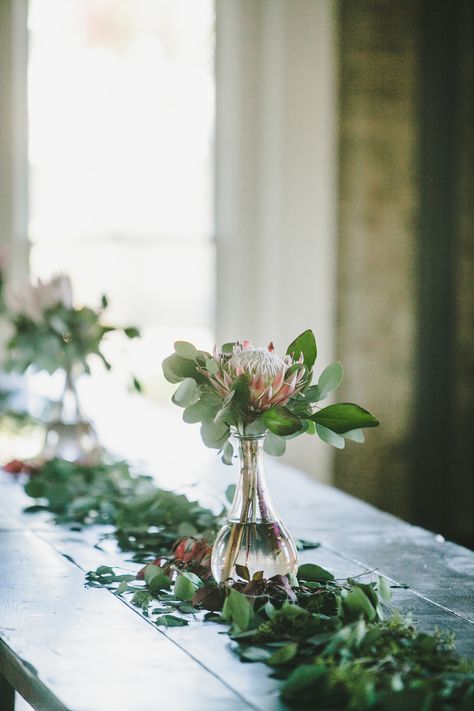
121,130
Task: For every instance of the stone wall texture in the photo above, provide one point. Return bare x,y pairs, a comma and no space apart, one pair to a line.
378,56
380,222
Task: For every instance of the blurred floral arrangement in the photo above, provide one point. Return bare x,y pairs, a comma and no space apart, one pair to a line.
50,333
255,391
45,330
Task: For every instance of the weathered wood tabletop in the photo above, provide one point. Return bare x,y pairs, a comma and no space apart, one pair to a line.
64,646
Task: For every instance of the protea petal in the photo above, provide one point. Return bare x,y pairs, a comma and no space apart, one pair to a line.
265,369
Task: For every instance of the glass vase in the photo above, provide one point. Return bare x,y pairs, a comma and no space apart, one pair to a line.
69,435
253,536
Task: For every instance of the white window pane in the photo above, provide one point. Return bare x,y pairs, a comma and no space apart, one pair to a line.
121,126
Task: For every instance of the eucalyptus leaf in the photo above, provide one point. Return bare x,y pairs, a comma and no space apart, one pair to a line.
185,350
330,437
330,379
312,394
274,445
354,436
256,428
199,412
215,434
227,453
176,368
211,366
186,394
230,493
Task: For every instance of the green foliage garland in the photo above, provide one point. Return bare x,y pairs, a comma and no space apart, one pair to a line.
332,644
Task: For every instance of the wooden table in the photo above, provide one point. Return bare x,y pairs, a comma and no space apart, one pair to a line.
63,646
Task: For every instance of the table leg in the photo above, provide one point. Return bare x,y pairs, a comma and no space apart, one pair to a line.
7,695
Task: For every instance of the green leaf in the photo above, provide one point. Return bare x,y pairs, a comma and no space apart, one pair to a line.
330,437
156,579
224,411
142,598
137,385
215,434
256,428
237,609
313,572
186,394
383,589
184,587
171,621
104,302
230,493
185,350
283,655
330,379
123,587
312,394
227,348
176,368
211,366
281,421
305,344
274,445
255,654
131,332
227,453
199,412
302,679
241,390
243,572
356,604
344,417
354,435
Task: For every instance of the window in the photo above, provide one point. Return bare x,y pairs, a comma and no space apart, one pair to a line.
121,122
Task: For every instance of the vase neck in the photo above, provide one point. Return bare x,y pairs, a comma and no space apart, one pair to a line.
69,410
252,503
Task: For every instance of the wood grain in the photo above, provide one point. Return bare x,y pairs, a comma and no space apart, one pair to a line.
70,634
91,652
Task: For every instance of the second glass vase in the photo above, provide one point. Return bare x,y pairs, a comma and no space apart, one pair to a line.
254,536
69,435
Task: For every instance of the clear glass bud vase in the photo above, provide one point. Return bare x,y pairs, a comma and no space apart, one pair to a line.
254,535
69,435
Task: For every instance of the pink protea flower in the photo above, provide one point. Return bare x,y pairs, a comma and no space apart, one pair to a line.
269,380
33,299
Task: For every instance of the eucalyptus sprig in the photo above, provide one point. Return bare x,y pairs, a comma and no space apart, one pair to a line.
255,391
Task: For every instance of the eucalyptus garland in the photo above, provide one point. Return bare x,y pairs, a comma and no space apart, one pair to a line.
333,644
